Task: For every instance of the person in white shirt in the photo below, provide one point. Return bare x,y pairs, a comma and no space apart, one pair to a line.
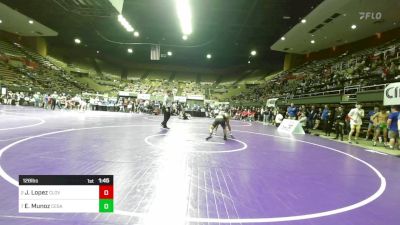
356,114
278,119
167,108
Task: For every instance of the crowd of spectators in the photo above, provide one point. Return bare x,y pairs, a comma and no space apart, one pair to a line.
369,67
379,123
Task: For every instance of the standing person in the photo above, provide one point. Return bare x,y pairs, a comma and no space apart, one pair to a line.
265,116
167,108
311,117
278,119
356,114
340,117
292,111
393,126
318,116
36,97
331,121
380,123
303,121
45,100
53,98
325,119
371,126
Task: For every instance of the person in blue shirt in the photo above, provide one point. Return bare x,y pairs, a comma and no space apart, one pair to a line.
393,126
371,126
291,112
325,120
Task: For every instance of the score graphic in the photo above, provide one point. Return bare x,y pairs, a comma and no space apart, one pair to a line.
66,194
106,198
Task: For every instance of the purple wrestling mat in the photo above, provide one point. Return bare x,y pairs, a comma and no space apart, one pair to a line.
176,177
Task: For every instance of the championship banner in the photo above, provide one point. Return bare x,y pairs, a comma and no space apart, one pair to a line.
144,96
271,102
195,97
391,95
180,99
126,94
221,103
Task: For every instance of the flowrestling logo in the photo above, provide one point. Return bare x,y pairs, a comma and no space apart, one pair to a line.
392,94
370,15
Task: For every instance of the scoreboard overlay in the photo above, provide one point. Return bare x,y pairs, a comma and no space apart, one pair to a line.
66,194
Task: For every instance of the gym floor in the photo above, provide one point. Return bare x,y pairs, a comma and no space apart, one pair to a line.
176,177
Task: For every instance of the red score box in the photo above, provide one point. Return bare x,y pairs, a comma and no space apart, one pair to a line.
106,191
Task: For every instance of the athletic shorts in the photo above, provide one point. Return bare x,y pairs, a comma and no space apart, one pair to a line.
219,122
371,126
381,126
356,126
393,134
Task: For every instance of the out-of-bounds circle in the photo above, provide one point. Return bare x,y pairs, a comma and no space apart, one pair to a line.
152,118
200,141
40,121
359,204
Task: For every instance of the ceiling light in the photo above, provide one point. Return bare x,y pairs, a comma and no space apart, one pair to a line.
283,38
185,37
184,15
248,62
169,53
130,50
209,56
253,53
303,21
136,34
1,21
98,51
125,23
312,42
30,21
353,26
77,41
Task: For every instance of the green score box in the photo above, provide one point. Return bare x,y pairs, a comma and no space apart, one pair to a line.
106,206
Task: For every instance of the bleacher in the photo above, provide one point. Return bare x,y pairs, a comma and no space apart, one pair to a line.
10,49
367,67
16,81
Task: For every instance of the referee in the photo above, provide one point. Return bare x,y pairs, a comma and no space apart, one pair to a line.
167,108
